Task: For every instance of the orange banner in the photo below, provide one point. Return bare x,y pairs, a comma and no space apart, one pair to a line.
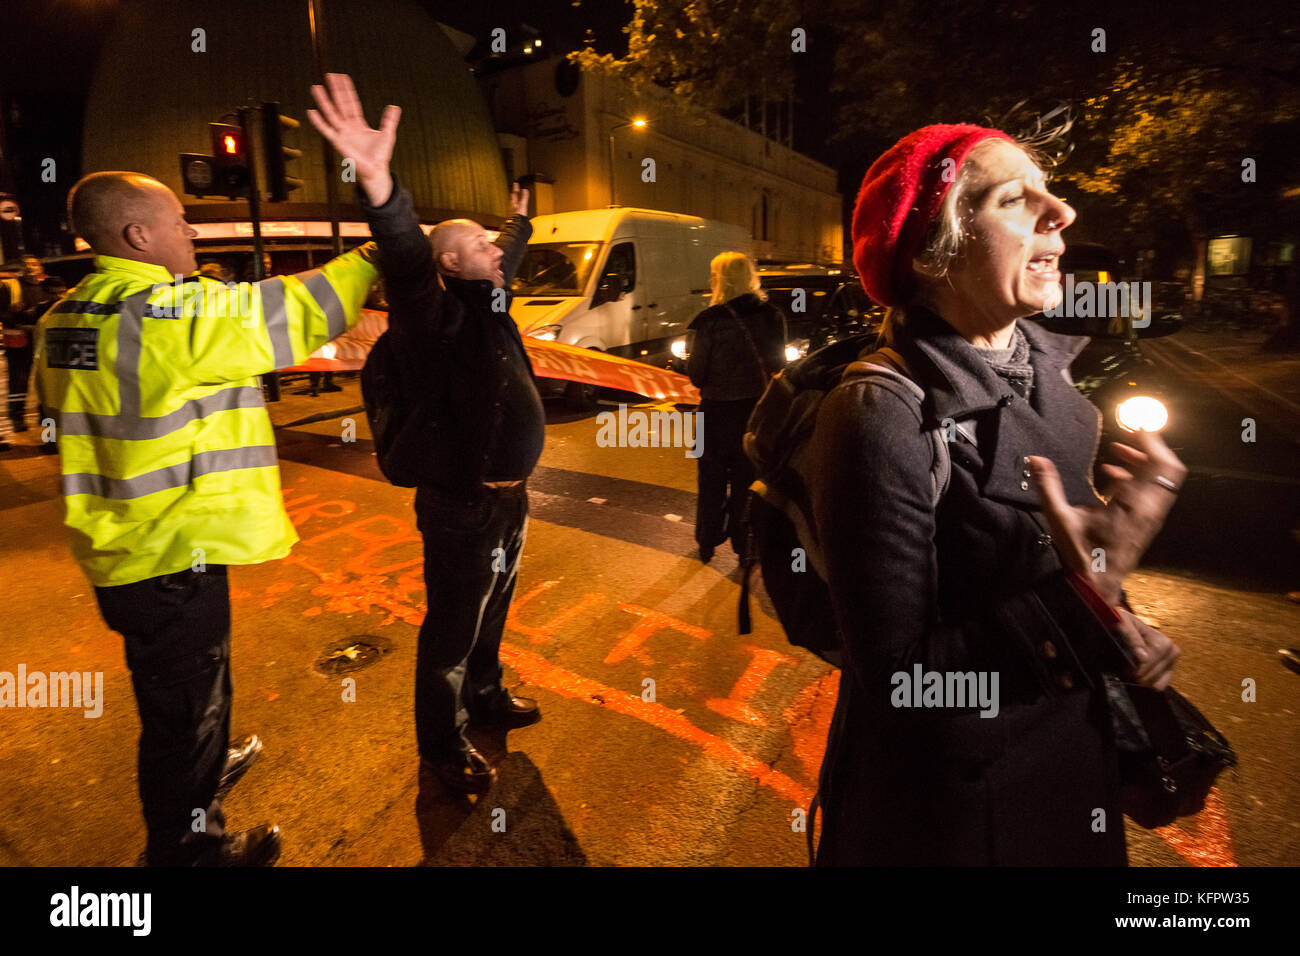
347,353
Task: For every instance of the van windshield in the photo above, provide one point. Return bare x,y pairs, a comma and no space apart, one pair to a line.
556,268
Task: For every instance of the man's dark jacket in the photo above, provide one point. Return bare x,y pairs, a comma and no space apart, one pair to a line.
972,586
456,355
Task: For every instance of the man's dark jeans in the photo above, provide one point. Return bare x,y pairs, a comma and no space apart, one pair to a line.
471,561
177,632
725,472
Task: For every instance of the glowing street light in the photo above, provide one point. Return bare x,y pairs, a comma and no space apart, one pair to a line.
639,123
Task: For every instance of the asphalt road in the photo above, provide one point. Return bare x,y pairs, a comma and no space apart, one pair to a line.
667,739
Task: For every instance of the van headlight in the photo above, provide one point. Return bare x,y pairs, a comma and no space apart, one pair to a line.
678,348
1142,413
547,333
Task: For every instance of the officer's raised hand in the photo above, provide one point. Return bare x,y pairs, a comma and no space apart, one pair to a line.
341,121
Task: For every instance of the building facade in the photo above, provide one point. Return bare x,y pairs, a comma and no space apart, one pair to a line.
574,132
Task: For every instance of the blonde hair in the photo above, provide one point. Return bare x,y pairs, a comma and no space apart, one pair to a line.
733,274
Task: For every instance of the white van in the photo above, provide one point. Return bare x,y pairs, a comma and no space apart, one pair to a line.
625,281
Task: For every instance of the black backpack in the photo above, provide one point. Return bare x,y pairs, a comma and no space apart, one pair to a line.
387,410
778,517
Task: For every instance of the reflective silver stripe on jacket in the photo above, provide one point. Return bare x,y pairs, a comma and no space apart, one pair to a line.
85,307
328,300
277,321
142,429
174,476
129,328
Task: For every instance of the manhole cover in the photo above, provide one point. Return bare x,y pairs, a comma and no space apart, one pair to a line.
352,654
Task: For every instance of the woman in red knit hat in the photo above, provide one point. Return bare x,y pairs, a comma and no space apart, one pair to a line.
971,725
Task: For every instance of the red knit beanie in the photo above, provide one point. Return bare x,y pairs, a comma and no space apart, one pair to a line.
899,199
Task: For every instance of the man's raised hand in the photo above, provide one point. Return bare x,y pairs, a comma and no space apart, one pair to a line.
519,200
341,121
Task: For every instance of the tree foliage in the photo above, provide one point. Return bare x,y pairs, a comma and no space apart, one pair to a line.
1168,98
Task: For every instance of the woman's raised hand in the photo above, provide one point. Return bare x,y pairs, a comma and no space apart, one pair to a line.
1104,543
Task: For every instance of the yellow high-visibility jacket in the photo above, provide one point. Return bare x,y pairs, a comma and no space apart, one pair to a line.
167,452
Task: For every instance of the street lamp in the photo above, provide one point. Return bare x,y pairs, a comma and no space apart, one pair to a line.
639,124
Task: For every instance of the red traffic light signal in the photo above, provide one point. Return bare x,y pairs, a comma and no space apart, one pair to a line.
228,175
227,141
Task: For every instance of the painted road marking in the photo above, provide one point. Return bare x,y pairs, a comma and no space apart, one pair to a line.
373,578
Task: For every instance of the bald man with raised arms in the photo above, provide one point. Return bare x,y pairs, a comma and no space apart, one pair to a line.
472,431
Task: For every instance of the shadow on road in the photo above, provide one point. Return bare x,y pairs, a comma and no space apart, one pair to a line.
456,830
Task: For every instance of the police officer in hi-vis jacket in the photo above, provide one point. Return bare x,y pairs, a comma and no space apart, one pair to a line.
170,474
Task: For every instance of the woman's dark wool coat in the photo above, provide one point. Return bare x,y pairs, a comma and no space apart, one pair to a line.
973,585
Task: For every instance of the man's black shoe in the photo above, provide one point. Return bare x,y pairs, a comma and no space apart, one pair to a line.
503,709
465,771
257,847
238,760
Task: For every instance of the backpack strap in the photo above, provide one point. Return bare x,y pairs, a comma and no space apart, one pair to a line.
888,365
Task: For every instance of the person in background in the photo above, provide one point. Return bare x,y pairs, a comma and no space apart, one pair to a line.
28,300
735,346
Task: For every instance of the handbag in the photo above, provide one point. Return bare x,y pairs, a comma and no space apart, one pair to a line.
1169,753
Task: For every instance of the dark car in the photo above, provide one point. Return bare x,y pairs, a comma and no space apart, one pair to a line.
1115,313
820,304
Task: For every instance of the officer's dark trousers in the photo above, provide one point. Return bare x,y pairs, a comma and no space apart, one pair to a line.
471,561
177,631
725,473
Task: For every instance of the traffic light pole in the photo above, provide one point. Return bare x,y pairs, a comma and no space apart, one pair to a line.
254,196
317,28
271,380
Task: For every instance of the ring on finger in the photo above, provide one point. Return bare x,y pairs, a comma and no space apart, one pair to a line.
1166,483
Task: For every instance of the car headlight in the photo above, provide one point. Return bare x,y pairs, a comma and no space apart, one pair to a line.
796,350
678,348
547,333
1142,413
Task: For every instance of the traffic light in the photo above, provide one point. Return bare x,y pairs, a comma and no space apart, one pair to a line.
230,160
274,126
199,174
